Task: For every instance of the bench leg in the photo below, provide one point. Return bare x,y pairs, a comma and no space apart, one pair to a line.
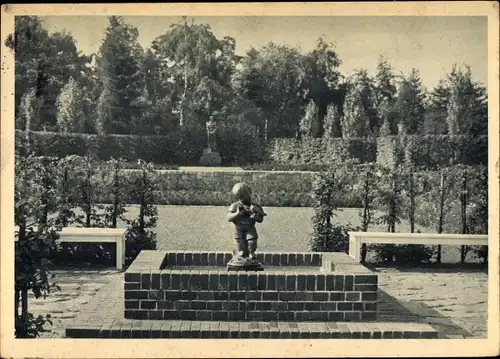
354,248
119,253
123,250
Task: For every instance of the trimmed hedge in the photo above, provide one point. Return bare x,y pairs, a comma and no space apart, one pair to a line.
184,148
433,151
242,147
319,151
427,152
160,149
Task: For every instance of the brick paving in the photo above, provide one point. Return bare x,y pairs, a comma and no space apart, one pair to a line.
103,317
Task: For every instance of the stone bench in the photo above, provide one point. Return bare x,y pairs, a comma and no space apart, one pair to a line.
356,239
94,235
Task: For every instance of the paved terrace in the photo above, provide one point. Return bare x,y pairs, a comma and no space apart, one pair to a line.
453,302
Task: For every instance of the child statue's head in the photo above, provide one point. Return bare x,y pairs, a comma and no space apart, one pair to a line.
242,192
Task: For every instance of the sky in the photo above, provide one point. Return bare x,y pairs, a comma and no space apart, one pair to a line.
430,44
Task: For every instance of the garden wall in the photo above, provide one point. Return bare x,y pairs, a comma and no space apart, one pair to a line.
284,188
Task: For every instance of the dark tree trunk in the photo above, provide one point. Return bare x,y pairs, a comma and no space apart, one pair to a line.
116,201
365,216
441,215
88,198
463,201
142,203
412,203
65,194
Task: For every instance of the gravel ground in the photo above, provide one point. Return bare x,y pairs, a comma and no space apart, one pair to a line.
206,227
284,229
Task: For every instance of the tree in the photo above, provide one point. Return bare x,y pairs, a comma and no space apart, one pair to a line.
384,98
273,79
29,44
114,179
70,108
28,116
322,80
44,63
436,110
140,235
466,105
120,71
34,199
366,190
63,63
359,107
309,120
388,201
194,69
332,122
87,189
409,107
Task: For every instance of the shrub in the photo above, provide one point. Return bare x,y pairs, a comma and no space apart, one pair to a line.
391,193
83,188
327,237
34,199
140,235
412,254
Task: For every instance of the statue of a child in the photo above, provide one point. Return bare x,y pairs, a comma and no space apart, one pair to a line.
244,214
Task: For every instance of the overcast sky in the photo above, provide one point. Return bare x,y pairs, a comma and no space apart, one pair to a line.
429,44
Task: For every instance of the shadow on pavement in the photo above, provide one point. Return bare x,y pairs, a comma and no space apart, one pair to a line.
429,268
394,310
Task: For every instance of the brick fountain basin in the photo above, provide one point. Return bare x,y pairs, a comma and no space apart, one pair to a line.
170,294
293,287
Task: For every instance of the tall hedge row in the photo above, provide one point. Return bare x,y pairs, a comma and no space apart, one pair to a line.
183,148
238,147
429,152
434,151
321,151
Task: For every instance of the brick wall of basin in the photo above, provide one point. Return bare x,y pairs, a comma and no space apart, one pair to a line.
315,287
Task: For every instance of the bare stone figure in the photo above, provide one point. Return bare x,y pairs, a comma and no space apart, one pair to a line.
244,214
211,129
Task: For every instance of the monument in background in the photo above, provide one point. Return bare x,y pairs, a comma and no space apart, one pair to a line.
210,156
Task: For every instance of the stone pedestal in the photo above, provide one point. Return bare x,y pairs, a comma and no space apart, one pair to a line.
244,264
210,158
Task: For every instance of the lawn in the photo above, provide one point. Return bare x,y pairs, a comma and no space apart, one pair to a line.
285,229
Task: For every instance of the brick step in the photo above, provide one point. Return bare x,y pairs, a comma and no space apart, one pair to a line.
251,305
253,315
271,296
202,280
195,258
244,305
214,329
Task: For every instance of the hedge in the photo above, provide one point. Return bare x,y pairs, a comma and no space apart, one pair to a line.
319,151
427,152
183,148
433,151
